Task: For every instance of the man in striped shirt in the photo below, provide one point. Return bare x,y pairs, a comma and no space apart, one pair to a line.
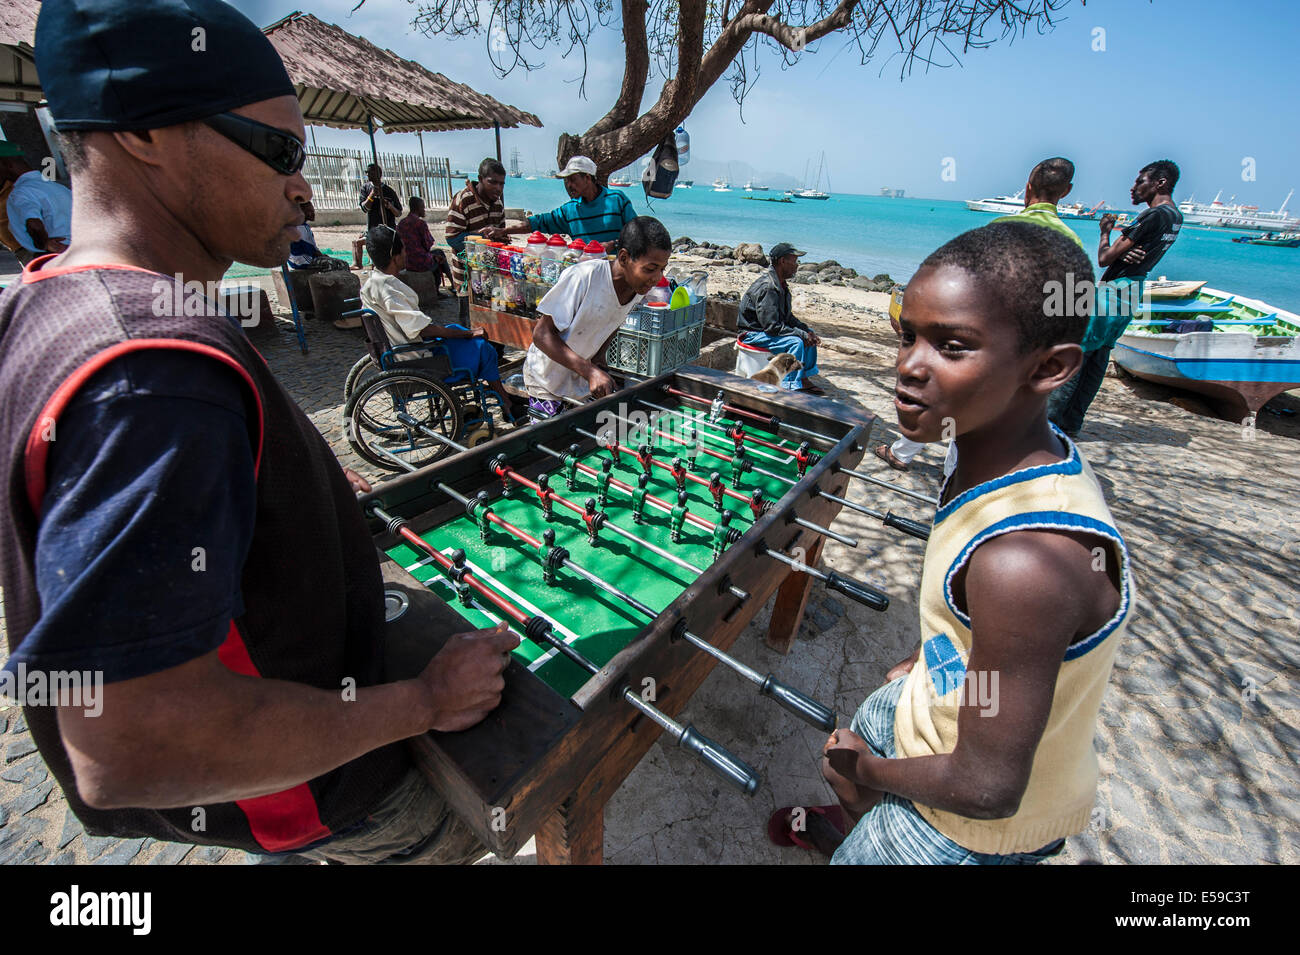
475,210
592,212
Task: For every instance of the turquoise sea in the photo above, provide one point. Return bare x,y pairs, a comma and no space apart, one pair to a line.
874,234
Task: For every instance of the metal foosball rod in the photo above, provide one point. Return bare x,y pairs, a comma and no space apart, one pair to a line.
553,557
539,630
755,501
871,479
866,595
771,421
595,520
834,580
702,419
648,460
888,518
693,421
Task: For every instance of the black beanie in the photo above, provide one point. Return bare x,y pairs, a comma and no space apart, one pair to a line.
144,64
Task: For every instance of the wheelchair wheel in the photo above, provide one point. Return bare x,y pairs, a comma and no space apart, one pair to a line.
375,412
363,370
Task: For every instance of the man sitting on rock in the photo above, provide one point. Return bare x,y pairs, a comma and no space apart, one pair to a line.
766,320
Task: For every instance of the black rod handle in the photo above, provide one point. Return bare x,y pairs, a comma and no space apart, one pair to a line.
907,526
731,769
799,703
857,590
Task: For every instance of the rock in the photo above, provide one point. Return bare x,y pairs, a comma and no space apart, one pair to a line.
751,253
833,272
726,252
850,273
803,278
122,853
828,264
865,284
883,277
27,774
682,242
71,829
171,854
210,854
753,268
19,748
807,267
32,798
705,253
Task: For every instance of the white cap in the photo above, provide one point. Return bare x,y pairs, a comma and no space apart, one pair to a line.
578,164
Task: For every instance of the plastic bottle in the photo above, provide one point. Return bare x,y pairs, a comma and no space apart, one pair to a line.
555,250
682,140
534,252
661,293
698,286
594,250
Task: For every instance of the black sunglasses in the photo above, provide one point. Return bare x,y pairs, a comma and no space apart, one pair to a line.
279,150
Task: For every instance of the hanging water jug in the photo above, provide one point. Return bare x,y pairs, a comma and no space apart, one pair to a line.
683,140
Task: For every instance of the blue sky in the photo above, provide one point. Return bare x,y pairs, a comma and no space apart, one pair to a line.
1207,84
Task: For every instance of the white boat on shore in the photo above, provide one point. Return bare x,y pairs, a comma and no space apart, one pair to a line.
1251,355
1230,215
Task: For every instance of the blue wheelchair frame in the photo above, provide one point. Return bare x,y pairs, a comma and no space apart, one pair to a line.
460,382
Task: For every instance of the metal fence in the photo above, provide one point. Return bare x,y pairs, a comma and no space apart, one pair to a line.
336,176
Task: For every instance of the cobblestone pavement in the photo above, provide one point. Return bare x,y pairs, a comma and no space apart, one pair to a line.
1197,739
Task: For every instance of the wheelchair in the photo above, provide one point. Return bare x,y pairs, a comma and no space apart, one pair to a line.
388,402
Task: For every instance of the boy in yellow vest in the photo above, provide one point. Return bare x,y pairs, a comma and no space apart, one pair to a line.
978,750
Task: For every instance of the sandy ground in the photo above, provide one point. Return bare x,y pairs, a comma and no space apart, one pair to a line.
1198,732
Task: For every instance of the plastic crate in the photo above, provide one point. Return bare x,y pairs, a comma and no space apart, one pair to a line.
648,354
657,321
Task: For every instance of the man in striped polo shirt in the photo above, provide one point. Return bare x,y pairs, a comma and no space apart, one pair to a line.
475,210
592,212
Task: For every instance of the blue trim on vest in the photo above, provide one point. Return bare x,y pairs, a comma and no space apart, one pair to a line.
1073,464
1050,520
944,664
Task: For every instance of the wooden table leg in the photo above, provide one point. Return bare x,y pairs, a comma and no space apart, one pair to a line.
787,612
573,835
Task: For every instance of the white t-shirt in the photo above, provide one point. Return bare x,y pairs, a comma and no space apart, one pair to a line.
586,312
398,308
35,197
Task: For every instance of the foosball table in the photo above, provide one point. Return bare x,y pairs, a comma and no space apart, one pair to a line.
629,542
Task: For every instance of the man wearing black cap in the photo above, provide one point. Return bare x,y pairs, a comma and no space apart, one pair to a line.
173,525
766,320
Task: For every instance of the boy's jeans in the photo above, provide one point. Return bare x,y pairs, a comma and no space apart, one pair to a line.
894,833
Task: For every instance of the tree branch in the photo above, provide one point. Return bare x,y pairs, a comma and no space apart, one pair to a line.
636,70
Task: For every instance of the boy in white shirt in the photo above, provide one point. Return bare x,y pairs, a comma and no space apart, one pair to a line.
580,315
398,308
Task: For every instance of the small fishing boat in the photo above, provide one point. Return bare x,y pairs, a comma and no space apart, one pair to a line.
1286,240
769,199
1250,354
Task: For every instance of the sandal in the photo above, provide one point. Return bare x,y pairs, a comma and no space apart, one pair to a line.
885,454
780,834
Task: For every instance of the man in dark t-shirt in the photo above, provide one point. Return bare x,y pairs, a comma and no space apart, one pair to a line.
380,201
150,547
1140,247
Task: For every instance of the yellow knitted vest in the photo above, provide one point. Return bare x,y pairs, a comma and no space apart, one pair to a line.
1063,780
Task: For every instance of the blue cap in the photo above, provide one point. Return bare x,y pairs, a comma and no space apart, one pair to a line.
144,64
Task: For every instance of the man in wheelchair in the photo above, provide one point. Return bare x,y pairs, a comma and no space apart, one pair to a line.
398,308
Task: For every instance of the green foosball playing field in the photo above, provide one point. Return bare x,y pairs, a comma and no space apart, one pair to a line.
593,621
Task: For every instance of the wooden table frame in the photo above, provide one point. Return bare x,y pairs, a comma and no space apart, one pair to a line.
541,764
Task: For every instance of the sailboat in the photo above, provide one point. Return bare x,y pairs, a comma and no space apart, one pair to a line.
817,192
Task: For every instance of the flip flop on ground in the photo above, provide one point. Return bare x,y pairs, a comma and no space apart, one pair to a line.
780,834
885,454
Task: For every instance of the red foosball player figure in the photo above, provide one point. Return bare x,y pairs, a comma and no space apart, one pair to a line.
716,489
679,473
